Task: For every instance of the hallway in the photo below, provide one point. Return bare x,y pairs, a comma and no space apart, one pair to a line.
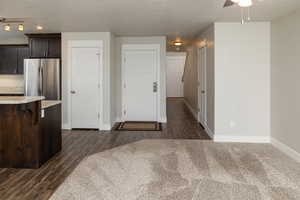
28,184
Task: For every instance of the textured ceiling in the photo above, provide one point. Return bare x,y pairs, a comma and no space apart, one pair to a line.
135,17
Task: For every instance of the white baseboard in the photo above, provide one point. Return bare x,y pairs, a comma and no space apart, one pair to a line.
208,131
66,127
286,149
163,120
106,127
241,139
195,114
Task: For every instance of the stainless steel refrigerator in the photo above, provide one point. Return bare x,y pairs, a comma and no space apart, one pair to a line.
42,78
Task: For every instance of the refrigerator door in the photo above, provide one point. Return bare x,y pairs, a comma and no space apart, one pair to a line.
32,74
50,76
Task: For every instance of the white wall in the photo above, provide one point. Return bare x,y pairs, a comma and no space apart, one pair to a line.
141,40
242,82
175,68
285,80
106,37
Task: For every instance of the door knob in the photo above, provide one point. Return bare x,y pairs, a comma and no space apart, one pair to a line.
73,92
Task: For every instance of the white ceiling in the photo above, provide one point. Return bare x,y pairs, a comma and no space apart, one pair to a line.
135,17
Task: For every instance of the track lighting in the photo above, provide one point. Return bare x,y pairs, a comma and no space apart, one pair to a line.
7,27
21,27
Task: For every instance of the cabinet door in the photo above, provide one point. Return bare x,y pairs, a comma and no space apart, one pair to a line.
8,60
54,48
38,47
23,53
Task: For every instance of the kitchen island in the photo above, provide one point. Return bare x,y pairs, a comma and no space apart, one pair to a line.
30,131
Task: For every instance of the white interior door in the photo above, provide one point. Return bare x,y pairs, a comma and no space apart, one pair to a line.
85,88
140,85
175,68
202,100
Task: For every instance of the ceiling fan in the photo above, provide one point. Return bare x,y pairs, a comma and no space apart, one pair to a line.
243,4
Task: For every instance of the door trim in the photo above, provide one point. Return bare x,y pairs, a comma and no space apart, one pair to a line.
86,44
199,85
137,47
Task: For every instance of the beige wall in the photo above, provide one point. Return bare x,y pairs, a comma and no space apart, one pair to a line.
285,81
141,40
191,75
190,78
242,82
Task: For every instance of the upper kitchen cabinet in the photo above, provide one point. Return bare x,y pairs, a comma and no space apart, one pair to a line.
45,45
23,53
12,58
8,61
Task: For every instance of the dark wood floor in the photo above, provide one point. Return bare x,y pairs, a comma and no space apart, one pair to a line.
25,184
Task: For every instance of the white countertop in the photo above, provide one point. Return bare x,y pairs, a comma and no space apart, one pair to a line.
11,90
49,103
19,99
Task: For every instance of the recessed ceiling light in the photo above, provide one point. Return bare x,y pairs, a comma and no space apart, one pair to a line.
21,27
38,27
7,27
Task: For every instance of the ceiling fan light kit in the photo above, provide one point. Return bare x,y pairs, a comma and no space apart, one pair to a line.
243,4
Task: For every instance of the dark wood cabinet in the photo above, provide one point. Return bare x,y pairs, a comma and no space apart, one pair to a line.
23,53
45,45
12,58
54,48
51,141
8,61
40,46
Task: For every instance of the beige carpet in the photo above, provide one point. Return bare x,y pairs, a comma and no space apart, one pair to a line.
184,170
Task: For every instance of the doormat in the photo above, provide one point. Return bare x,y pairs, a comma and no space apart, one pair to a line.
139,126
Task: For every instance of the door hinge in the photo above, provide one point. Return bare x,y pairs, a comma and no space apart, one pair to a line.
124,112
98,115
124,85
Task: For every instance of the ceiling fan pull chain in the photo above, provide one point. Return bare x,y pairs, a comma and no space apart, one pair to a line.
249,14
242,16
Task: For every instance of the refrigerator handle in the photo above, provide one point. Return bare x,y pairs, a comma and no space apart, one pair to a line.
41,79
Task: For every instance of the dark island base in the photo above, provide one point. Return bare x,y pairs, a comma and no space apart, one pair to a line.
26,139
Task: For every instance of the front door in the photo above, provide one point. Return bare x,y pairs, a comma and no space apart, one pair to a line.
140,85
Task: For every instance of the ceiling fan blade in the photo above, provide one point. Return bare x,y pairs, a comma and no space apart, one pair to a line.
228,3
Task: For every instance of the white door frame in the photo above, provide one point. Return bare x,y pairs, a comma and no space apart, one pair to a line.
136,47
202,84
86,44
